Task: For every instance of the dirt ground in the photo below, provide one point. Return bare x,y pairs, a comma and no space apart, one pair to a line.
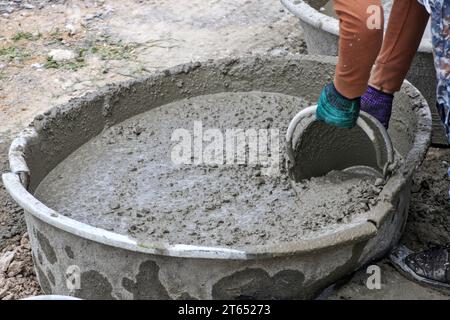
428,225
99,42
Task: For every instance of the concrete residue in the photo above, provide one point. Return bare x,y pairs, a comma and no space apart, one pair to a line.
253,283
124,180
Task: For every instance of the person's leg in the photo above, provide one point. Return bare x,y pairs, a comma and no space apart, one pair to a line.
432,266
440,26
358,45
407,23
404,32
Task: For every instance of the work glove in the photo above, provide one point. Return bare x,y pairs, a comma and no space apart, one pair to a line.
378,104
335,109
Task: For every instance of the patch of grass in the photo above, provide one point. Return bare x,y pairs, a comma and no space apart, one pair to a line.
56,33
73,65
114,51
55,36
13,53
67,65
51,64
21,35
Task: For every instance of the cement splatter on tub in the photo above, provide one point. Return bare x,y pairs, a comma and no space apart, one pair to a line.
124,180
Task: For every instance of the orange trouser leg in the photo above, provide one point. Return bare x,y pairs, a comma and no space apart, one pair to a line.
407,23
359,44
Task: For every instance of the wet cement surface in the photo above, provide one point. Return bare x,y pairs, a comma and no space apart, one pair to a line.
125,180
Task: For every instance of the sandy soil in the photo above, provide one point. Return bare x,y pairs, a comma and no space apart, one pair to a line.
113,41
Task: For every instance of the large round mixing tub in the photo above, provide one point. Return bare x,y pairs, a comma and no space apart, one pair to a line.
73,258
321,33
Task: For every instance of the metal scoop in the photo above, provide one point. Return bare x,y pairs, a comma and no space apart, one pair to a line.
315,148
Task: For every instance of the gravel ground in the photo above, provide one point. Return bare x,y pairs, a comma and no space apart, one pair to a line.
51,51
8,7
17,277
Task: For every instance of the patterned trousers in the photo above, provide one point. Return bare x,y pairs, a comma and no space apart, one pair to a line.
440,31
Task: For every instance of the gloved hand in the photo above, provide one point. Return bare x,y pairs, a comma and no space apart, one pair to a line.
335,109
378,104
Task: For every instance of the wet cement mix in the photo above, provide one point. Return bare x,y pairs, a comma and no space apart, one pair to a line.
125,180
